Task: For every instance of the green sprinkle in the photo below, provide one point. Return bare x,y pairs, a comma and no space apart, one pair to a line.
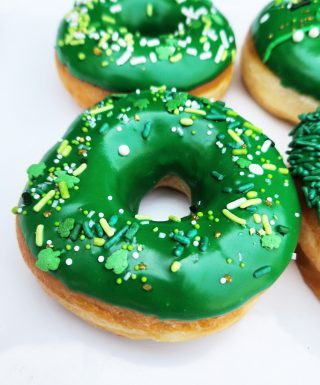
178,251
132,231
235,136
184,241
104,129
113,220
116,237
239,151
262,271
204,244
252,194
99,230
39,235
146,130
174,218
62,146
74,235
176,58
98,241
271,241
283,230
251,202
65,227
117,261
195,111
250,126
44,201
149,10
81,56
48,260
257,218
64,191
36,170
245,187
219,177
87,230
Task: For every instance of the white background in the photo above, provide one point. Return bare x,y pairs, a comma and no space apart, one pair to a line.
278,342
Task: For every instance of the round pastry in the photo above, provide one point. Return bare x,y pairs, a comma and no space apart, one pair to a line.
281,58
305,165
124,45
83,237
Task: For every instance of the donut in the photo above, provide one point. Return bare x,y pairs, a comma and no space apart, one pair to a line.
81,233
124,45
304,158
281,58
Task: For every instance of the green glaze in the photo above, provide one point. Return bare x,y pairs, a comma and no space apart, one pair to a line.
286,35
304,157
128,44
199,266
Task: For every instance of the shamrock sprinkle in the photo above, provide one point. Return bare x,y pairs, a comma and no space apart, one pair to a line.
48,260
70,180
118,261
178,101
141,104
65,227
271,241
36,170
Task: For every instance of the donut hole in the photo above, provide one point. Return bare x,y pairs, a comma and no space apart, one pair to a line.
171,196
151,18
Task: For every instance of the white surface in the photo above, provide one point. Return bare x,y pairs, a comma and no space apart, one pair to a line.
278,342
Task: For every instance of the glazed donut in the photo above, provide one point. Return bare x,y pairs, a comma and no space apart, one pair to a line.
281,58
304,158
82,236
120,46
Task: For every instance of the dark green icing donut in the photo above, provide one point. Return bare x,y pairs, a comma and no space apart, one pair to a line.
304,157
286,36
78,214
128,44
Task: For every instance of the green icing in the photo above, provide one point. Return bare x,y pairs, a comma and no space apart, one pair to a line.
121,45
304,157
205,264
286,35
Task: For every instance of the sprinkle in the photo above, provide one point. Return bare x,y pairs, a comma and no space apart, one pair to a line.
80,169
283,171
204,244
106,227
115,8
153,57
99,110
132,231
124,150
174,218
175,58
262,271
266,224
314,32
150,10
98,241
184,241
234,218
266,145
235,204
108,19
217,175
252,127
66,152
256,169
239,151
87,230
62,146
146,130
245,187
69,261
104,128
75,232
101,259
235,136
187,122
192,51
39,235
252,194
44,201
142,217
298,36
138,60
176,265
205,55
64,190
116,237
162,235
269,167
251,202
283,230
195,111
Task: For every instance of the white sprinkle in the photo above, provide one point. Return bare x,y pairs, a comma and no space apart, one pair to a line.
297,215
153,42
298,36
294,256
314,32
101,215
115,8
209,132
119,128
76,248
235,204
68,261
193,222
212,35
162,235
206,46
223,281
138,60
205,55
224,39
101,258
192,51
143,42
219,54
264,18
115,47
266,145
135,255
124,58
153,57
36,196
124,150
173,129
195,243
121,211
256,169
127,276
109,197
49,242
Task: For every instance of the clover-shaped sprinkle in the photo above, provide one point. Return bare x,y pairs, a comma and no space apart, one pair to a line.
48,260
36,170
141,104
178,101
271,241
65,227
164,52
70,180
118,261
243,163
